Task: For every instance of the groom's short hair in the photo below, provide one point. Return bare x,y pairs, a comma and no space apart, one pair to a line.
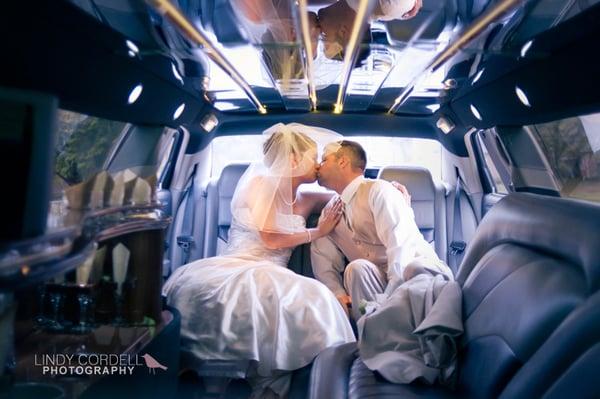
357,154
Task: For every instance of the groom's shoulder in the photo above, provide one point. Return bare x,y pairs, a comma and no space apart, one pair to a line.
378,188
377,184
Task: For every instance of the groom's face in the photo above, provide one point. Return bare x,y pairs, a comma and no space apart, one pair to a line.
329,170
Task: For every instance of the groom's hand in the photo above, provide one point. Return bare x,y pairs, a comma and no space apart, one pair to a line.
346,302
402,188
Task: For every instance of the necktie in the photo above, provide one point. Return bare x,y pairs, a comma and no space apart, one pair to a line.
346,218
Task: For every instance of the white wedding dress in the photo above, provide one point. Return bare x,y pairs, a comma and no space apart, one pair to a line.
247,306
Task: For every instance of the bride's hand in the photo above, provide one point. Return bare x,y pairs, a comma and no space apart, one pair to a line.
403,190
331,217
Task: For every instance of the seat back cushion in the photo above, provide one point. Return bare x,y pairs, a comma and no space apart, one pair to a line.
427,201
218,208
522,278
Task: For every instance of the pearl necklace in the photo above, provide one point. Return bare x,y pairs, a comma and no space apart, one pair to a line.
285,202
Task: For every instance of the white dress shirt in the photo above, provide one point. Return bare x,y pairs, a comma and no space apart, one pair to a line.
390,9
378,226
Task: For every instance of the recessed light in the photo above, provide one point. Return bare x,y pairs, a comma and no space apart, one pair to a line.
477,76
526,48
135,94
476,113
450,84
176,73
178,111
225,105
522,96
133,49
433,107
209,122
445,124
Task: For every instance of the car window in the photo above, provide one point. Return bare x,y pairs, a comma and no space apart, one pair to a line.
83,145
381,151
572,148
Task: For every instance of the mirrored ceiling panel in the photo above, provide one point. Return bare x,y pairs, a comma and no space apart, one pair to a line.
265,38
292,53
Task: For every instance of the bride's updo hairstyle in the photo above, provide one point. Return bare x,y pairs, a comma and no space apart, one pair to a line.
264,198
286,142
289,152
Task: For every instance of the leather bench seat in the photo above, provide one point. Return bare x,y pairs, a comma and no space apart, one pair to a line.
531,311
428,202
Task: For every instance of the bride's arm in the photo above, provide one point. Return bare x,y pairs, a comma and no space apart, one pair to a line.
331,217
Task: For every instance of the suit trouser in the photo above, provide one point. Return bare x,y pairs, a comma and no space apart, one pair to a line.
363,280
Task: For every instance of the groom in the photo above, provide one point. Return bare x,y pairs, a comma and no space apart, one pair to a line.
377,233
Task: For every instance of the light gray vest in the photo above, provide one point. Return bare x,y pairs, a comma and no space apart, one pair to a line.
356,234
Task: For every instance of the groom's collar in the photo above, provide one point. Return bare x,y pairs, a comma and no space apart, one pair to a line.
350,189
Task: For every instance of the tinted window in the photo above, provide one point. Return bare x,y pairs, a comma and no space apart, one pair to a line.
82,146
572,148
381,151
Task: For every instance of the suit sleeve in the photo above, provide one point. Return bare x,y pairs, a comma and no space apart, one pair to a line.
328,262
396,228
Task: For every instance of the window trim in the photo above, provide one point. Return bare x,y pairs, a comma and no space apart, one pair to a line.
127,129
495,156
166,177
483,170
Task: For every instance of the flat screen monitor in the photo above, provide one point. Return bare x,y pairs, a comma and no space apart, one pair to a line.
27,135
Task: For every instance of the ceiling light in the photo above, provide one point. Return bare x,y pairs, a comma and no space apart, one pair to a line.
205,83
135,94
433,107
178,111
176,73
445,124
477,76
225,105
133,49
476,113
526,48
209,122
522,96
450,84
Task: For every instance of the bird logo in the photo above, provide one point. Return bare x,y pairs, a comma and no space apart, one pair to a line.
152,364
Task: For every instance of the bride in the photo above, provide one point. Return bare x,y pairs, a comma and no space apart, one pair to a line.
244,314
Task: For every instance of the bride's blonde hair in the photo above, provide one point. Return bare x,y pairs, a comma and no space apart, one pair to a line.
296,143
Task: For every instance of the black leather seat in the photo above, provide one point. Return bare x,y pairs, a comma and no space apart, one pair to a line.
531,311
219,194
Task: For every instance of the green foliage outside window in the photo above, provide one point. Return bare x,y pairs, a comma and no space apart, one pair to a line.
83,145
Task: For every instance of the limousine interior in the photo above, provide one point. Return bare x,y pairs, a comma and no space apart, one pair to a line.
126,125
